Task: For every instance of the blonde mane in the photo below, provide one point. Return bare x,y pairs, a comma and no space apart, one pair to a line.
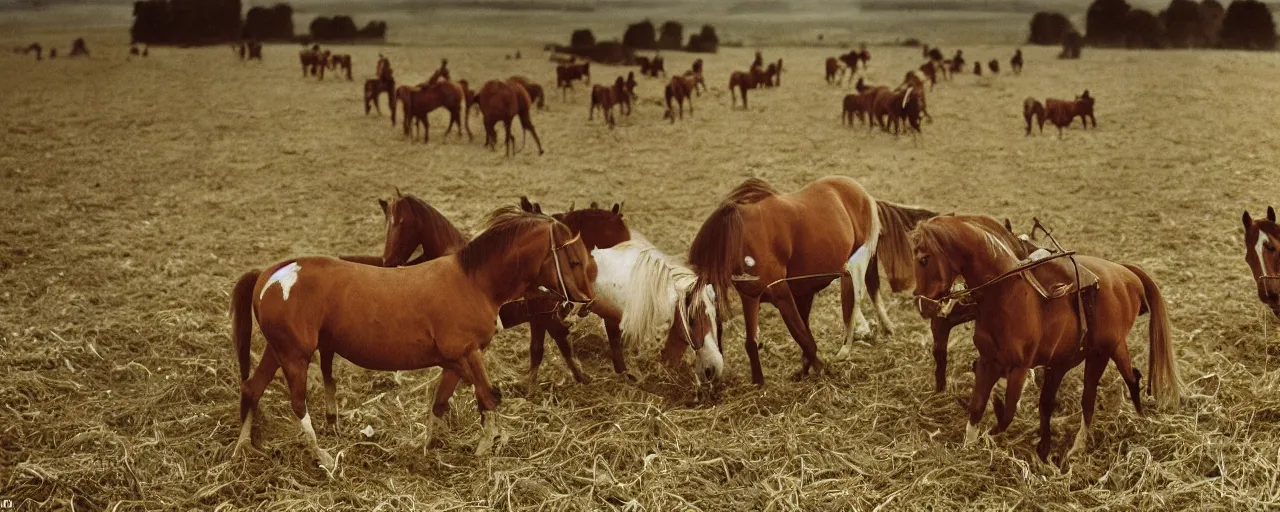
655,289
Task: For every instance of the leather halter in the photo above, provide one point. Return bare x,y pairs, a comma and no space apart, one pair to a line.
564,290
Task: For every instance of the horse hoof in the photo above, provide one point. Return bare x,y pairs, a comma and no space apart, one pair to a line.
325,461
843,354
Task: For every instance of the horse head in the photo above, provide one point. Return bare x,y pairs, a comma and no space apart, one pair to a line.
1262,253
401,224
598,227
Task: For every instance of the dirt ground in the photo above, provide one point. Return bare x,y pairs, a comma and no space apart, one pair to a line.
136,191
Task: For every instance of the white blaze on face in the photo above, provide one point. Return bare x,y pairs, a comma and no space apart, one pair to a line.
751,262
286,277
1259,247
709,357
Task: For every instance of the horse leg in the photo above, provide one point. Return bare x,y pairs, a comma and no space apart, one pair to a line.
426,127
744,99
856,325
251,391
1132,377
444,391
487,399
985,378
751,320
786,305
1094,367
330,388
940,328
537,347
1012,393
509,140
295,373
560,334
616,352
872,283
526,123
1048,400
804,304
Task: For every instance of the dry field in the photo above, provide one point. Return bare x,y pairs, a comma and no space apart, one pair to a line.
135,192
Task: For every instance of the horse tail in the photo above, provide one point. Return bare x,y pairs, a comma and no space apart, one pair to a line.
1162,368
242,319
716,252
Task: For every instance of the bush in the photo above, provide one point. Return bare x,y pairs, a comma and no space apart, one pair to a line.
1211,15
582,38
1049,28
640,35
1106,21
343,28
1182,22
373,30
1248,25
274,23
705,41
186,22
1144,30
672,36
1071,45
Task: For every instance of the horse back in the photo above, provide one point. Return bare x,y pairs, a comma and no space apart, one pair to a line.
812,230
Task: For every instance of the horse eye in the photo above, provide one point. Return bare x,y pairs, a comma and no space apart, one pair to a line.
574,263
1270,247
924,261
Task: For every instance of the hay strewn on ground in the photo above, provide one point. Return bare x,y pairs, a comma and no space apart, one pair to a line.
134,193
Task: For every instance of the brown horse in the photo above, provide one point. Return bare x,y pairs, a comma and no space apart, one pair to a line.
891,108
1016,62
652,67
423,99
774,74
681,89
784,248
311,62
930,71
341,61
375,87
833,69
439,313
567,73
623,95
503,102
603,98
1262,253
631,89
1019,327
1062,112
1033,108
743,81
534,90
994,66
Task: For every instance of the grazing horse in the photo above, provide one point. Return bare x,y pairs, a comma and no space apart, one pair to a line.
631,89
503,102
567,73
743,81
850,61
534,90
773,74
1016,62
33,47
341,61
784,248
1033,108
833,69
1262,253
438,313
604,98
681,89
1061,112
1019,326
890,108
930,71
311,62
422,100
622,96
994,66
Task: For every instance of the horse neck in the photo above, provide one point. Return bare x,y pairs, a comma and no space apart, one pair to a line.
504,279
985,259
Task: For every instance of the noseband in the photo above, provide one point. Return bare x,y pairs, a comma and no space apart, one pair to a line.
555,249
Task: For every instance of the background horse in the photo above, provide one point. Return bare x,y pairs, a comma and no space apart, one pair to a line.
1033,109
1061,112
681,89
784,248
743,81
310,59
1262,253
375,87
503,102
602,97
534,90
567,73
833,68
1016,329
341,61
422,100
376,317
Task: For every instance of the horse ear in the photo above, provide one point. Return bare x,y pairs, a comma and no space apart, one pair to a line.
617,209
537,208
595,205
398,194
1008,226
525,204
1271,214
386,209
1248,221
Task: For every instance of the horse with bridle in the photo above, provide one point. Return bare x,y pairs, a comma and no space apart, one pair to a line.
1262,253
442,313
1054,311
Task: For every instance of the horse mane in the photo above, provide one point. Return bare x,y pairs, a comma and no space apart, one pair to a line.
894,249
438,228
650,302
938,237
751,191
502,227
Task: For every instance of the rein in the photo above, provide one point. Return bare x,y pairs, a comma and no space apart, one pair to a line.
564,290
741,278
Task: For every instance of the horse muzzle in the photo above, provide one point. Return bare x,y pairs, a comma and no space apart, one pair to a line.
930,308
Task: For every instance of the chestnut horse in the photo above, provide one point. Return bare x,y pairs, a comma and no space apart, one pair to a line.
311,62
503,102
784,248
1061,112
603,98
681,89
567,73
534,90
833,69
421,100
1262,253
373,88
439,313
1033,109
623,95
341,61
743,81
1016,329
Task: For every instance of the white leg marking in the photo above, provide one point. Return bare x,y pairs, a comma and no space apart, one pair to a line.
858,327
970,434
286,276
246,435
497,323
488,433
1082,439
323,458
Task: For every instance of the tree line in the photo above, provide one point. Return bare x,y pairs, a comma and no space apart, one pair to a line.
198,22
1243,25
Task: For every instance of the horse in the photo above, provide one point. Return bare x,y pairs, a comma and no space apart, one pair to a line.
504,101
890,108
994,66
310,60
783,249
1033,108
930,70
697,67
850,61
423,99
622,96
341,61
1061,112
603,97
534,90
438,313
743,81
375,87
957,62
1018,328
833,68
1016,62
773,74
33,47
652,68
567,73
631,89
1261,239
681,89
977,68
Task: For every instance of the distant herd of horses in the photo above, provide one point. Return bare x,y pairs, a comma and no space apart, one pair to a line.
1032,302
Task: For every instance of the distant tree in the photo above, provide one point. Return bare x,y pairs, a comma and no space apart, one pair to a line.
1211,15
582,38
641,36
1183,20
672,36
320,28
1248,25
373,30
705,41
1049,28
1144,30
1106,22
274,23
1071,45
186,21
